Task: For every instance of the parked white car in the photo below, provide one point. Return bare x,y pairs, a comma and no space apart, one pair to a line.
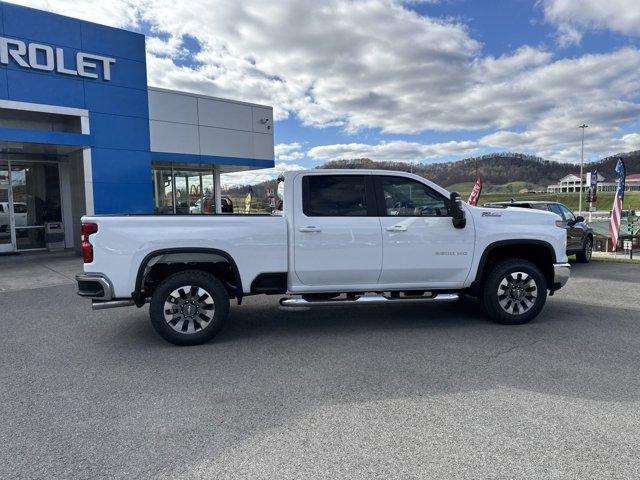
20,215
345,237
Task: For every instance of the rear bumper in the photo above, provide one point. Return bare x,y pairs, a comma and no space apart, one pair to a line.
561,274
95,286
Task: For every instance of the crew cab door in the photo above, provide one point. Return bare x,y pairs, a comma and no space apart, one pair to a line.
337,236
420,244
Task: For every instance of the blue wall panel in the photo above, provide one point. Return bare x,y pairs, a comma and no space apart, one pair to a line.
62,90
101,98
123,197
39,26
128,73
120,166
129,133
3,83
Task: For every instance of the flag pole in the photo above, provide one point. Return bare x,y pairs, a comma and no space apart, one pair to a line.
583,126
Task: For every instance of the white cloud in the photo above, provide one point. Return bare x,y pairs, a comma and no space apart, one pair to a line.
256,176
115,13
399,151
568,35
558,137
379,64
574,16
289,152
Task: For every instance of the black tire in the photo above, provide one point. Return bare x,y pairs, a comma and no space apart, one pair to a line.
192,320
525,275
585,255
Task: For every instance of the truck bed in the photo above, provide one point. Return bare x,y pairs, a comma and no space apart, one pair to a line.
257,243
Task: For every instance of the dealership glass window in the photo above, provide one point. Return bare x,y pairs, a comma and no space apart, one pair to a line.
182,190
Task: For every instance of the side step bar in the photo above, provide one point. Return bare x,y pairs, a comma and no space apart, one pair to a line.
102,305
367,300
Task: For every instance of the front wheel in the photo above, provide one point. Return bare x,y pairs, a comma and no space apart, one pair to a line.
189,308
514,292
587,249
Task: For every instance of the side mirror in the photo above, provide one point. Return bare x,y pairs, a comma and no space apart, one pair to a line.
458,215
579,219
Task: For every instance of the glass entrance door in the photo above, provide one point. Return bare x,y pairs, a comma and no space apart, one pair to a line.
7,243
29,198
36,201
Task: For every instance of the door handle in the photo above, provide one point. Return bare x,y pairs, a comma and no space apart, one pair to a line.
397,228
310,228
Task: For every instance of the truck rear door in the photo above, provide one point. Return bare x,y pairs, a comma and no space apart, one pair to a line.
337,234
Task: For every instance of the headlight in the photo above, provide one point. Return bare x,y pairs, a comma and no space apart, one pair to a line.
560,223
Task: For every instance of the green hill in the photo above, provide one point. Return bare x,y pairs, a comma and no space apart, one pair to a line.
512,188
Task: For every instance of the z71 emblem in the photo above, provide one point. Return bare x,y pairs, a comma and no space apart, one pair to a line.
491,214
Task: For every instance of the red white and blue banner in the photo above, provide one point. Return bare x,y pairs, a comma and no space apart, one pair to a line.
616,211
475,193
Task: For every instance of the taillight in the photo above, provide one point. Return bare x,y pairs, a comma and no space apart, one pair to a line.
87,249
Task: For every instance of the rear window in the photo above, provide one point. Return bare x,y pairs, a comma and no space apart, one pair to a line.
19,208
334,196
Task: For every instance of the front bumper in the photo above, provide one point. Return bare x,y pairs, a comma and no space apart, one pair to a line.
561,273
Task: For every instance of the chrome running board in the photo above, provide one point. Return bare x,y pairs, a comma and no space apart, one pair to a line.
367,300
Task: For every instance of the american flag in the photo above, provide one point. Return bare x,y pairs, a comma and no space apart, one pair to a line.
616,212
475,193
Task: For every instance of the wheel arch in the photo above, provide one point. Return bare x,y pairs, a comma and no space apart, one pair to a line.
539,252
207,254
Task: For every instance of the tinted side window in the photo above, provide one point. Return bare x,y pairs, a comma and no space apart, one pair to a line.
555,208
334,196
568,214
404,197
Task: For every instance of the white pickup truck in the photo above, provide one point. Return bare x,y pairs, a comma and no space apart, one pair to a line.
343,237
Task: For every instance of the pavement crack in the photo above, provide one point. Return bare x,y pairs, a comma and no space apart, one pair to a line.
494,356
56,272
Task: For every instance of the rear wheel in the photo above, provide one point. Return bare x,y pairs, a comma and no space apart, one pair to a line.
189,308
587,249
514,292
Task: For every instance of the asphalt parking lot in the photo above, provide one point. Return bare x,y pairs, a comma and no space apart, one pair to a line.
349,392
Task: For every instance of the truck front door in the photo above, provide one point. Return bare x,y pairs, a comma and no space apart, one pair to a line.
420,244
337,235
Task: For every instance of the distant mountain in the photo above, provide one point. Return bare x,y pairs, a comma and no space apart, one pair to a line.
495,169
498,168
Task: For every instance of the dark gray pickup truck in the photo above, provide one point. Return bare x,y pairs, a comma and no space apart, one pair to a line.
579,233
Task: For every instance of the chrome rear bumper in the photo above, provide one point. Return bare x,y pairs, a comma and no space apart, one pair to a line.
561,273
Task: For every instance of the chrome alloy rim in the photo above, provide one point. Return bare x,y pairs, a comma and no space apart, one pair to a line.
588,249
189,309
517,293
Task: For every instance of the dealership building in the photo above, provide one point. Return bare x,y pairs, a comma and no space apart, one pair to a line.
82,133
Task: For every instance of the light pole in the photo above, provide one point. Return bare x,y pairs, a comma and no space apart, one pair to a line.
583,127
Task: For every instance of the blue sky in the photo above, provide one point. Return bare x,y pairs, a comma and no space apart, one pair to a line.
403,80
